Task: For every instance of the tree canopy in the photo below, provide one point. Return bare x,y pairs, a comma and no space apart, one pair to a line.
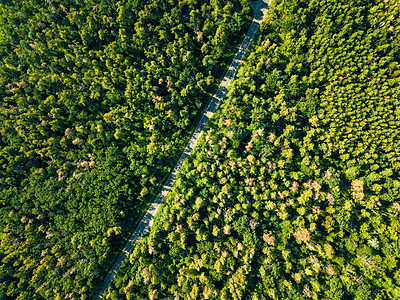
98,98
293,192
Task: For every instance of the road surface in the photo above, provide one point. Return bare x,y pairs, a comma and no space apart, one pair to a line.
259,8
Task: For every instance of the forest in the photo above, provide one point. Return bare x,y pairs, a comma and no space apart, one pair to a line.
97,100
294,191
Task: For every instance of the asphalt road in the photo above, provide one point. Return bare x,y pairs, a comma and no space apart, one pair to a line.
259,8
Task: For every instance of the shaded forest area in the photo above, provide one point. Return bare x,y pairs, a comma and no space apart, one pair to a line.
294,191
97,100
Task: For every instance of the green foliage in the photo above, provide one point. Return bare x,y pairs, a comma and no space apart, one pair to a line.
293,192
98,99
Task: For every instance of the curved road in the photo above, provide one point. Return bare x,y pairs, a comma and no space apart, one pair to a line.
259,8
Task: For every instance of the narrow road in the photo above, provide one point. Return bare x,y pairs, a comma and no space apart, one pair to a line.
259,8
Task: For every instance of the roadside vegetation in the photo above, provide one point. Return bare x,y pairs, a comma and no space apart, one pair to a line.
97,100
293,192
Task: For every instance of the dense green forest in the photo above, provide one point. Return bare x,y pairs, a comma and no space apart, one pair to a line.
294,191
98,98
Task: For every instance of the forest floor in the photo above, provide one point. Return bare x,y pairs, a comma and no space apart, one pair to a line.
259,7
